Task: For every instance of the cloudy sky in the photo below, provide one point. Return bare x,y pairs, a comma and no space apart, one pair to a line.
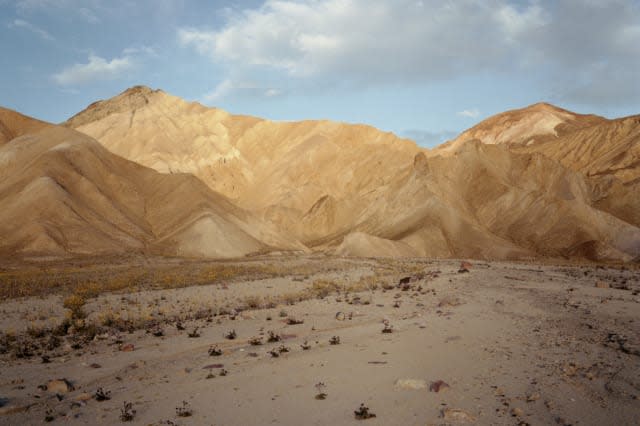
423,69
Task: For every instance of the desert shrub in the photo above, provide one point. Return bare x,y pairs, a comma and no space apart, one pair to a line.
322,288
75,304
253,302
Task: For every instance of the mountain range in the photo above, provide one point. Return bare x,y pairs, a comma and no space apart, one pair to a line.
150,173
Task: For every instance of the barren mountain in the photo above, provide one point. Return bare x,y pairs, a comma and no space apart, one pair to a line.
356,190
606,152
62,192
525,126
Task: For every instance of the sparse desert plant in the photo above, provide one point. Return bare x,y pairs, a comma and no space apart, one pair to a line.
36,332
179,326
320,387
210,375
322,288
75,304
396,304
274,353
305,346
253,302
185,410
102,395
215,351
273,337
49,415
388,328
157,331
231,335
335,340
363,413
294,321
255,341
194,334
224,372
127,413
283,349
283,313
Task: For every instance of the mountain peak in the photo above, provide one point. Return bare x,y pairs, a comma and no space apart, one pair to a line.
131,99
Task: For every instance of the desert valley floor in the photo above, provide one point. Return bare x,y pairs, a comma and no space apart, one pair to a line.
477,343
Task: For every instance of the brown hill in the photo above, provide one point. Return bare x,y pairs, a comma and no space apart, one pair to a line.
356,190
63,193
525,126
14,124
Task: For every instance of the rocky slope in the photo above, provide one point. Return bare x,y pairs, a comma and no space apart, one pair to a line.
357,190
64,193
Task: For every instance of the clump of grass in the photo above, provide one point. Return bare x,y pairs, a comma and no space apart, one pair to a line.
335,340
102,395
253,302
322,288
127,413
194,334
215,351
255,341
320,387
75,304
231,335
363,413
185,410
273,337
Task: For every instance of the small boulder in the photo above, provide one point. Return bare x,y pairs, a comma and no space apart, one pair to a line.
410,384
59,386
457,415
129,347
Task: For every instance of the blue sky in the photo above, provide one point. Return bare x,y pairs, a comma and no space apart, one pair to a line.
422,69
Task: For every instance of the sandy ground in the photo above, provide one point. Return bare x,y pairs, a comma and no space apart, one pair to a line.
515,343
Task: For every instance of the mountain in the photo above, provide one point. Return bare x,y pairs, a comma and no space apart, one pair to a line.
63,193
354,190
525,126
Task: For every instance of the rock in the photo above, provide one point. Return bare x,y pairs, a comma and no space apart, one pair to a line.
517,412
533,397
438,385
410,384
129,347
83,397
457,415
60,386
602,284
449,301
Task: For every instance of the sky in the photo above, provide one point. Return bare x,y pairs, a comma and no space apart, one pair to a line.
422,69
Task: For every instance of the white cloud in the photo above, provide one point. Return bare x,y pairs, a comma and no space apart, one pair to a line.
19,23
229,86
471,113
96,68
360,42
381,40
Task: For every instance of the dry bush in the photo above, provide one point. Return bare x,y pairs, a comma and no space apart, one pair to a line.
322,288
253,302
75,304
